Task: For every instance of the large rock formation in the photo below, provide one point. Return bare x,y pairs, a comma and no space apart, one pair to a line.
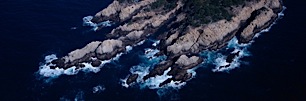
181,42
208,35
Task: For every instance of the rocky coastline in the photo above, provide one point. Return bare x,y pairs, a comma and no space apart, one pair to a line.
181,43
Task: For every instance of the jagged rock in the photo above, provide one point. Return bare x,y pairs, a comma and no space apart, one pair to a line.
79,65
230,58
79,53
134,35
216,32
132,78
127,11
159,69
180,17
113,8
171,38
264,16
275,4
185,61
58,62
124,11
108,46
178,75
96,63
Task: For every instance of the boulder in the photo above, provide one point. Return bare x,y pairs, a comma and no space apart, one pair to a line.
185,61
79,53
108,46
96,63
132,78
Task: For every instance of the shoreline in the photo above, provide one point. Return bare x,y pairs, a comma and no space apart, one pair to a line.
180,58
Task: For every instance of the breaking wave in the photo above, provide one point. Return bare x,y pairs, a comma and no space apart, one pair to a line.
156,43
149,61
46,71
98,89
140,43
87,22
128,48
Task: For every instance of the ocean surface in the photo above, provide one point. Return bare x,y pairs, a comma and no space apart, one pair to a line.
273,69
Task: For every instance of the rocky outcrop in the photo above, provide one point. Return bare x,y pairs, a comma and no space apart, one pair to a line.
181,42
127,34
248,19
80,53
132,78
101,50
108,46
185,61
206,36
117,11
113,8
179,70
265,15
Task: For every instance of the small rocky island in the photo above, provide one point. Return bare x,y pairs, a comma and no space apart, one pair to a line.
192,26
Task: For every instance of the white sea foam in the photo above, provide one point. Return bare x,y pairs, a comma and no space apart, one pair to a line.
140,43
123,82
153,82
87,22
98,89
143,69
46,71
128,48
220,59
156,43
149,53
149,60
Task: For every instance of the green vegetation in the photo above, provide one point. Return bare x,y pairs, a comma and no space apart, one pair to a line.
166,4
199,11
206,11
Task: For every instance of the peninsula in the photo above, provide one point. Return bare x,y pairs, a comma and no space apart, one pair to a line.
192,26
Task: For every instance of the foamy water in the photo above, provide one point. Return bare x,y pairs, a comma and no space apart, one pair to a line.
87,22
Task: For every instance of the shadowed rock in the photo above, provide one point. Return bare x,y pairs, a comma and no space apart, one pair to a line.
96,63
230,58
159,69
132,78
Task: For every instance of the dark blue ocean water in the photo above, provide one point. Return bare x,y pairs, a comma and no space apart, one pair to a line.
32,29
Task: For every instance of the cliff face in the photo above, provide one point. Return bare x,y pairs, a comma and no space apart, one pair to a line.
181,43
